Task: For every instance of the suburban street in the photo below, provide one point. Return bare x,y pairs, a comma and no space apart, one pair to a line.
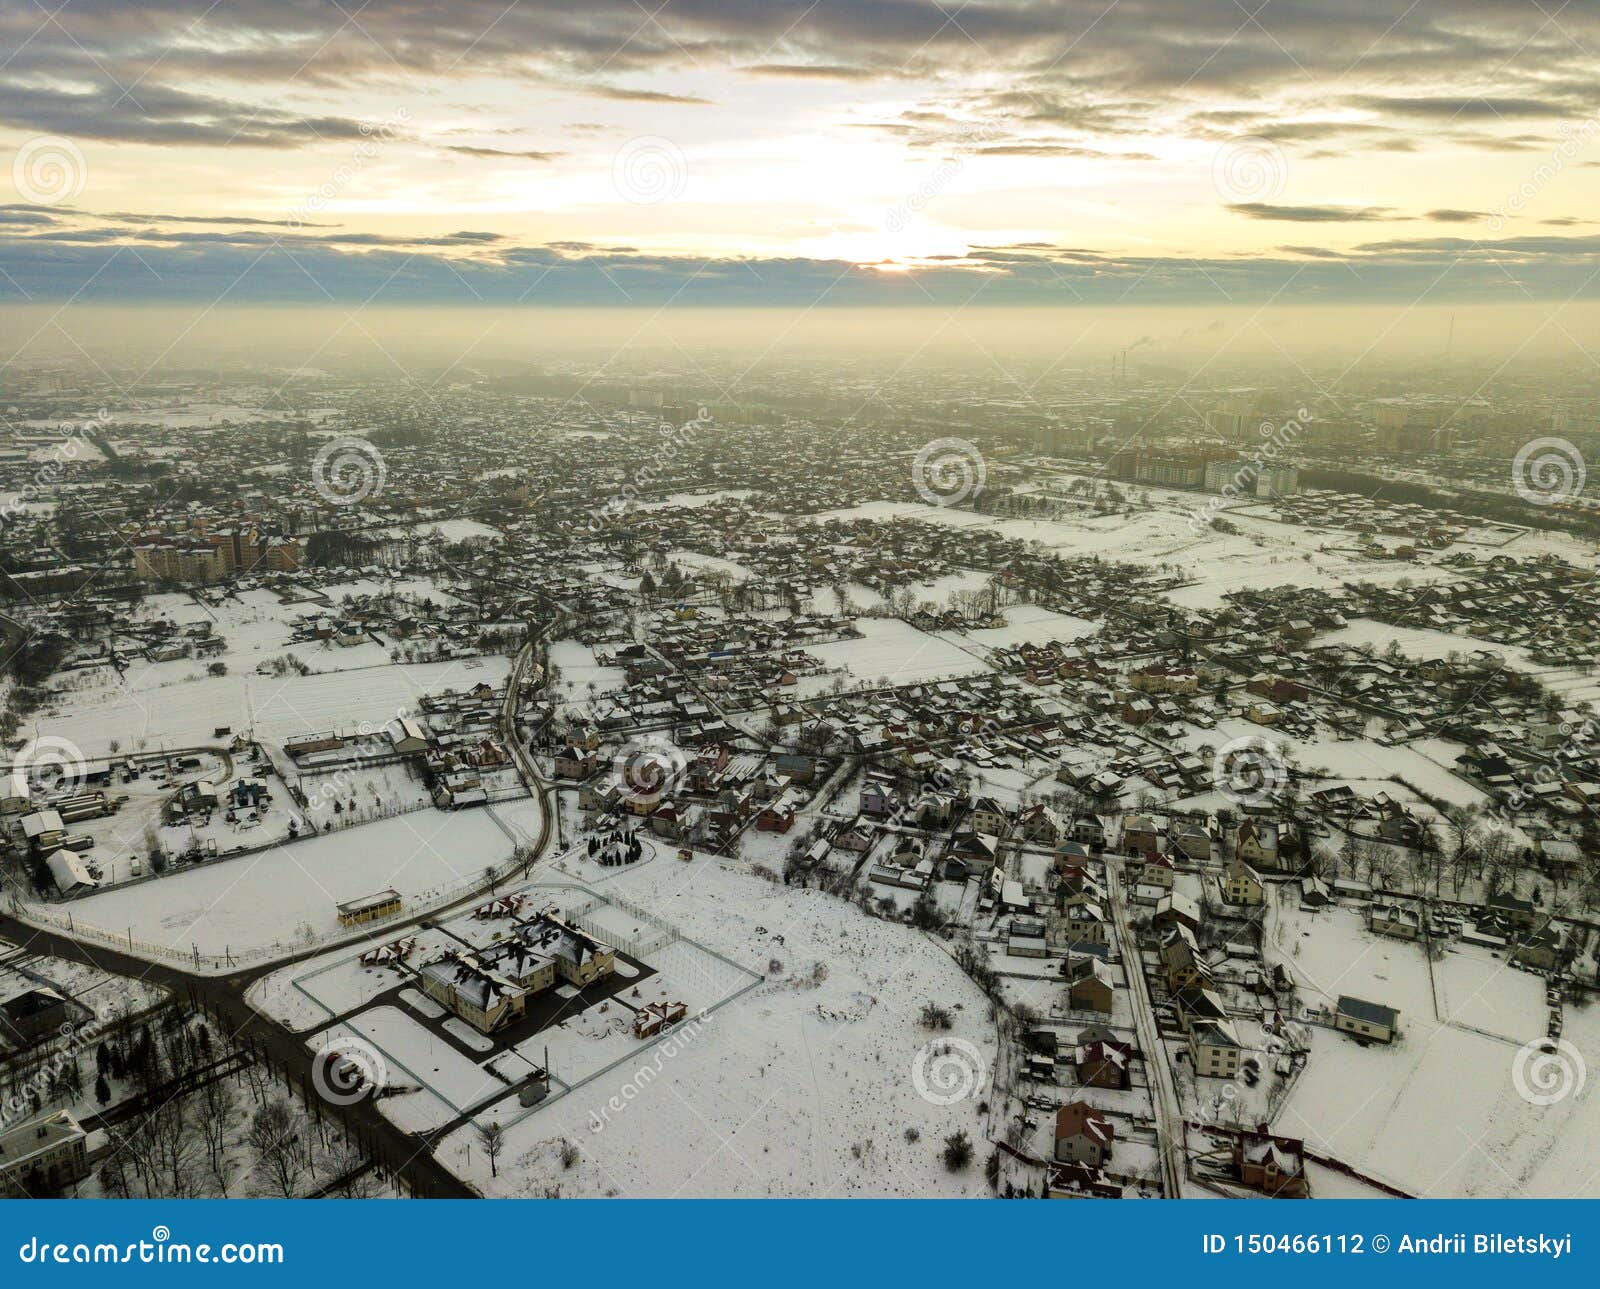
1169,1119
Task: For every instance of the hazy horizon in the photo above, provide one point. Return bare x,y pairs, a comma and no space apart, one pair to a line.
1518,337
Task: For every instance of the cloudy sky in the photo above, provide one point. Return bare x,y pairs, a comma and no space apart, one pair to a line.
783,151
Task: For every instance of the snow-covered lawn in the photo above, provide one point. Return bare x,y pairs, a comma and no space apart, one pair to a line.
1438,1112
806,1086
153,710
285,896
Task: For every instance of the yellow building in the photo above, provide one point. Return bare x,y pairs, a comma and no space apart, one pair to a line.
369,908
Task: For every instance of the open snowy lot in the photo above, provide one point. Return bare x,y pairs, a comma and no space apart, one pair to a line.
183,710
286,896
889,652
805,1086
1438,1112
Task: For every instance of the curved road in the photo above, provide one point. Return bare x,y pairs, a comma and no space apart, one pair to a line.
403,1154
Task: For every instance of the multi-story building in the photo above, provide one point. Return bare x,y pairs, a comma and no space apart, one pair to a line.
490,988
41,1157
202,555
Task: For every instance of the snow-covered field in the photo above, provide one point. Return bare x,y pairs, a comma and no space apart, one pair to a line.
158,713
1440,1111
890,652
806,1086
285,896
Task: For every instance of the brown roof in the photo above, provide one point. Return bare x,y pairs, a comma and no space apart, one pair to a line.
1079,1118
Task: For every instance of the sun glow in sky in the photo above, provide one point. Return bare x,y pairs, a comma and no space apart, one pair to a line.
1331,146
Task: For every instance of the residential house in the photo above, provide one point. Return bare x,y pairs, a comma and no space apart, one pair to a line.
1398,921
40,1013
1176,909
1366,1020
42,1157
1189,839
1142,835
1103,1065
1214,1048
1275,1166
988,817
1256,843
1541,949
1084,1135
1241,884
1090,986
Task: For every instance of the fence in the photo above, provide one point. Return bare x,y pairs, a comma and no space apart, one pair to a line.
231,959
634,948
664,932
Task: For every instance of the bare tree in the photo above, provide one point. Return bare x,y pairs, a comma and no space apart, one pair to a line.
280,1155
492,1137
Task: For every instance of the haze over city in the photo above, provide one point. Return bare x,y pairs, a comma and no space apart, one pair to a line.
852,599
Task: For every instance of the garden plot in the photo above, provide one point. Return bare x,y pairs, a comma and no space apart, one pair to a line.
1032,624
184,710
409,1054
285,897
1484,992
1332,953
1438,1114
803,1086
889,652
357,794
578,676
